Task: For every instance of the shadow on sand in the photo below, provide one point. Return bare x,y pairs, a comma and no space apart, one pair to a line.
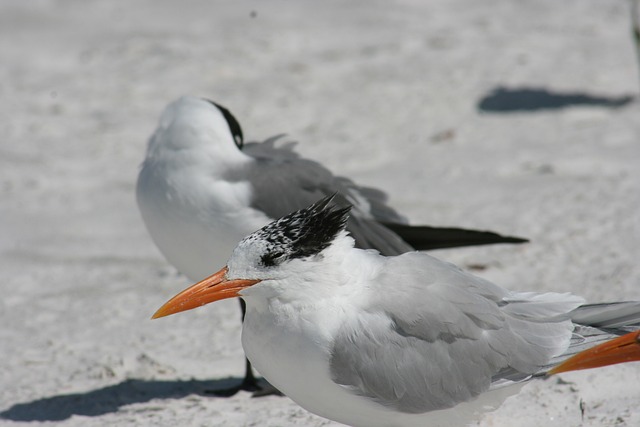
110,399
506,100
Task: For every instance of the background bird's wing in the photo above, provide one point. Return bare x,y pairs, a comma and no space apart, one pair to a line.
441,336
285,182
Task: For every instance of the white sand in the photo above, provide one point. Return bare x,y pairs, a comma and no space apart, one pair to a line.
387,93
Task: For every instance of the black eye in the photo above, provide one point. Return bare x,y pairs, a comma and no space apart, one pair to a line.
233,123
271,258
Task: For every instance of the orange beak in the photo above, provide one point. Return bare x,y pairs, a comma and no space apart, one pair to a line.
213,288
618,350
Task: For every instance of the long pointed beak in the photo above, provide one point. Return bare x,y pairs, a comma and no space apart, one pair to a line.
213,288
619,350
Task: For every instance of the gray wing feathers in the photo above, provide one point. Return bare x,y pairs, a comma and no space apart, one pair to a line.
597,323
373,235
277,168
609,315
593,324
452,338
377,202
300,182
415,384
540,307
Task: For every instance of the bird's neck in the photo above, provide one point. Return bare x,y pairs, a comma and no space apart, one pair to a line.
341,273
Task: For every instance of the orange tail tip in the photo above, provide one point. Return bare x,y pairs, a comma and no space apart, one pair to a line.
618,350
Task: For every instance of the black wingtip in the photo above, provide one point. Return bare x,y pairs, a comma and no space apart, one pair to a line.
425,238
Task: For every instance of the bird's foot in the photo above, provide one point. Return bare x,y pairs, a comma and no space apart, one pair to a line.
266,389
225,392
256,387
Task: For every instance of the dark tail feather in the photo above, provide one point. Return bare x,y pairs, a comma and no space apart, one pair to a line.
424,238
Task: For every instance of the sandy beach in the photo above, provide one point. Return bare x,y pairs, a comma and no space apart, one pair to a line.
519,117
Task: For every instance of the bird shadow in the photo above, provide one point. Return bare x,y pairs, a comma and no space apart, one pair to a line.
506,100
110,399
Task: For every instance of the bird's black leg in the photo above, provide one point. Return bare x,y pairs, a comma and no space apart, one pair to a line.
250,382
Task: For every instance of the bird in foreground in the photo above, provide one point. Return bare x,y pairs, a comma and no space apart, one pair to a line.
408,340
201,190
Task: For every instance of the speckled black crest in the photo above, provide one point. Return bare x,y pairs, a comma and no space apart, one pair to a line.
302,233
233,123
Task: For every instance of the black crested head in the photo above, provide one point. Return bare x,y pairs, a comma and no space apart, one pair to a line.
233,123
302,233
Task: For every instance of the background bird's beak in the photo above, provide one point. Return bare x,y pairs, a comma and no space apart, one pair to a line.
213,288
619,350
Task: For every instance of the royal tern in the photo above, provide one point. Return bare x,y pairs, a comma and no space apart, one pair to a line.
201,190
409,340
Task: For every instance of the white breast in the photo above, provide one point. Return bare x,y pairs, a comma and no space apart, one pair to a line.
195,219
